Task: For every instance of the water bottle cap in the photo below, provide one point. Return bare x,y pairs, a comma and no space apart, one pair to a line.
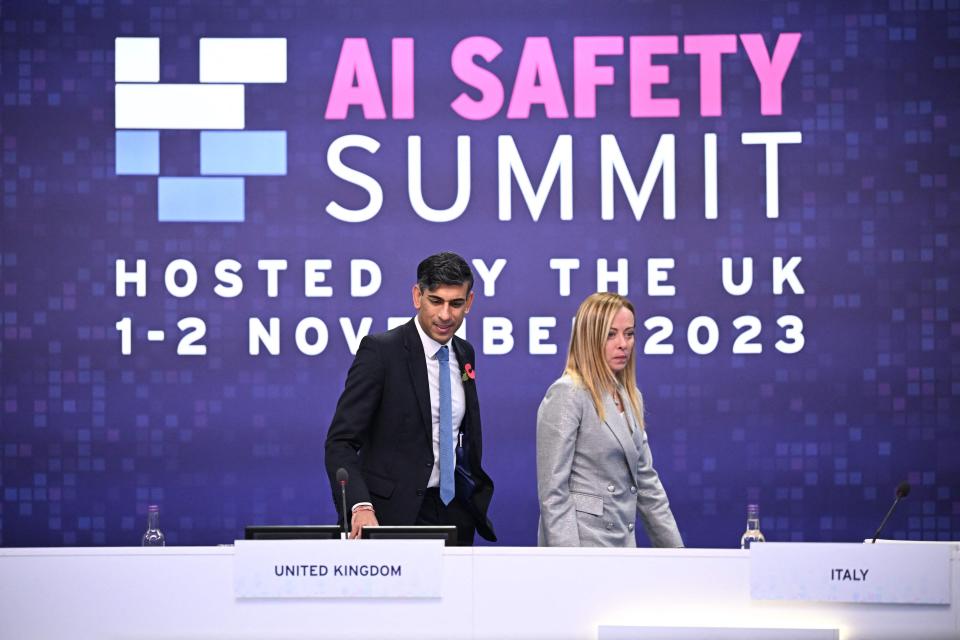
153,507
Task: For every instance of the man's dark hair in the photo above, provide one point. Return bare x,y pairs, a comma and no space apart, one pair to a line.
444,268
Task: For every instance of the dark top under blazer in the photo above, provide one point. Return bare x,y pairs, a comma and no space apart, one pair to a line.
382,430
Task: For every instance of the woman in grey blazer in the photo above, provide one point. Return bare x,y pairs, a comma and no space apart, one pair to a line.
594,468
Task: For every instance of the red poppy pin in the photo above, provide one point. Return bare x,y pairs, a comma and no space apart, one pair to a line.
468,372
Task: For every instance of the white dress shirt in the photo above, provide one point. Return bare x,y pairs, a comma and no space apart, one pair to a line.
457,398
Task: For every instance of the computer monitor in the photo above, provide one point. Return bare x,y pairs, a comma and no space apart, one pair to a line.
392,532
292,532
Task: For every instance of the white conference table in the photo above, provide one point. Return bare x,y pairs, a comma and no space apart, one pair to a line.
488,592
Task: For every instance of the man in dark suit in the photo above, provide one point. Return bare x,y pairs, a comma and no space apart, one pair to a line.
408,406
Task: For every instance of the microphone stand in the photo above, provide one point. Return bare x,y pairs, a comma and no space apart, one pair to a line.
885,518
343,504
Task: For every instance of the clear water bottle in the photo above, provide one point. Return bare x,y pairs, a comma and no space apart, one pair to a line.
752,534
153,536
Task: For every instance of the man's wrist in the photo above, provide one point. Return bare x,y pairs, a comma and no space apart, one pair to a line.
362,506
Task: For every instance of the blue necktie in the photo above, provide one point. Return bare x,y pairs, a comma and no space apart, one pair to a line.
446,428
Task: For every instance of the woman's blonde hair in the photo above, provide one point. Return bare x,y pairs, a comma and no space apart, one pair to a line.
586,362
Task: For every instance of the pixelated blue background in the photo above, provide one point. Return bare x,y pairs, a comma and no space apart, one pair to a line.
820,439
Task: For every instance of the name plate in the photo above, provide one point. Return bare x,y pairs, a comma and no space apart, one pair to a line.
338,568
881,573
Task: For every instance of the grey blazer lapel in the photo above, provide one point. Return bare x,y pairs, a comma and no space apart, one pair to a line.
637,437
621,431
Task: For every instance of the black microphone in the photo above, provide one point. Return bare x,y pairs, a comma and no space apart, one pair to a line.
903,490
342,478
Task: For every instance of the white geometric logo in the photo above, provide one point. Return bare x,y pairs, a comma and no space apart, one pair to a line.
214,106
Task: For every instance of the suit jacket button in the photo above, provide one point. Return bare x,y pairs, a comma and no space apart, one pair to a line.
429,463
419,492
633,489
611,488
630,526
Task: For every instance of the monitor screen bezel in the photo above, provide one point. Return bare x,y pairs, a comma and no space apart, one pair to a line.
292,532
448,533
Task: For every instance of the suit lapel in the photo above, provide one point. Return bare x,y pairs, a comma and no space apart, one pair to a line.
417,365
636,437
469,389
620,430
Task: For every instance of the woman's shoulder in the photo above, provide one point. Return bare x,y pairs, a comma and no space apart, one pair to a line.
564,397
566,385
